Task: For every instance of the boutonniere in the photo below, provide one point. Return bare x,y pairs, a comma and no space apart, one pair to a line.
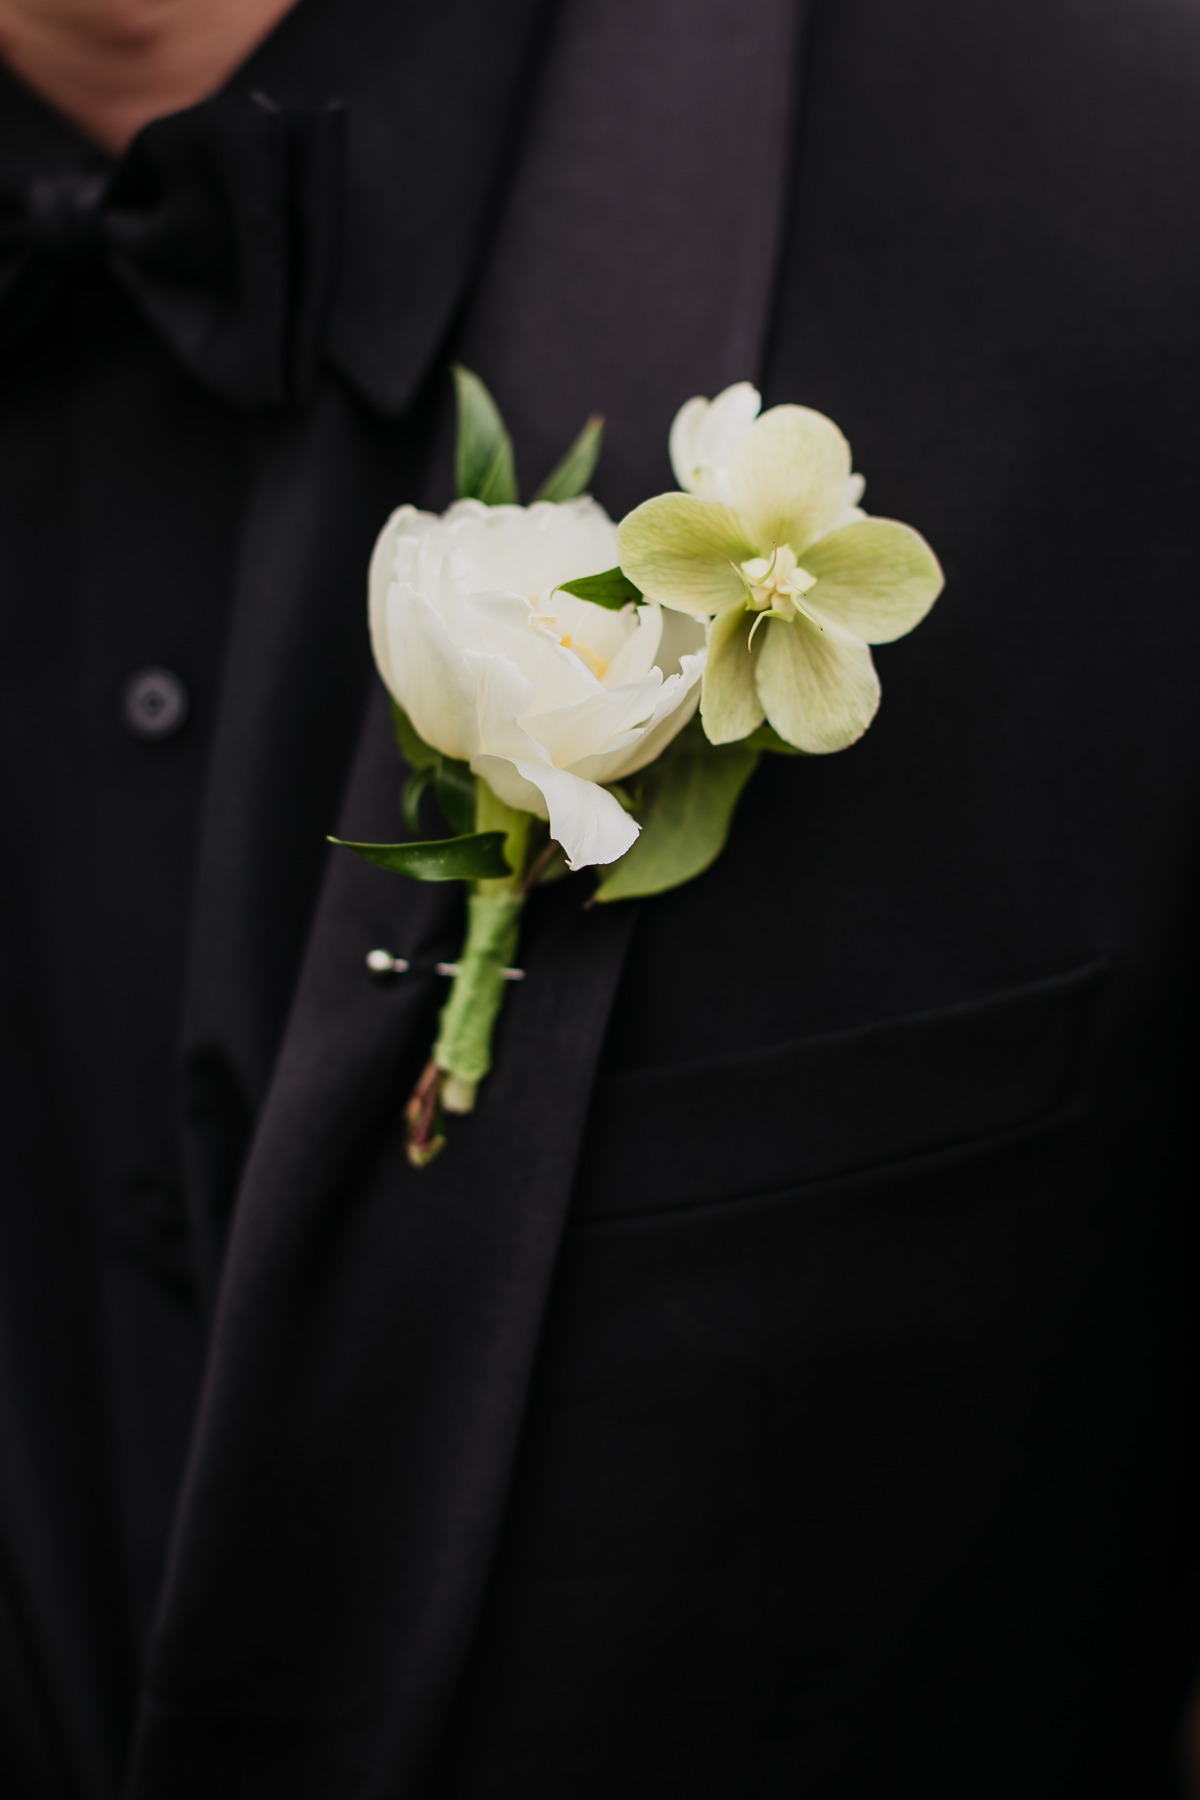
580,695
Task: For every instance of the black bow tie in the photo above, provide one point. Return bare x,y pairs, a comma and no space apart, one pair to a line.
220,225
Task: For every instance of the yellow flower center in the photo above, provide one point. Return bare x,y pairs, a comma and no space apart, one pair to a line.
777,585
599,665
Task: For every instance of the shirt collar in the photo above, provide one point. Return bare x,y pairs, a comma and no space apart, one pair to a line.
432,96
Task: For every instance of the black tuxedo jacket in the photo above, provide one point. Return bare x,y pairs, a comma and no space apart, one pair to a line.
782,1384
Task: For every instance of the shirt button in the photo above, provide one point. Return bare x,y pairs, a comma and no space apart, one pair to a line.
159,1206
154,704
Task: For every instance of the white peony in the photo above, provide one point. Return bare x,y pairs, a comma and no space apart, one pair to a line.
545,696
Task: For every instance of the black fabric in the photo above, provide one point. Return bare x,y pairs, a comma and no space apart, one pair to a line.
664,1137
785,1382
148,524
220,225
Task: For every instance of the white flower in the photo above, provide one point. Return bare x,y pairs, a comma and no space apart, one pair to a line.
545,696
706,436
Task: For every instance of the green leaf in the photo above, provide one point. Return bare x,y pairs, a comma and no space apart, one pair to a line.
484,459
767,738
414,792
569,478
628,798
690,797
455,788
477,857
612,590
413,748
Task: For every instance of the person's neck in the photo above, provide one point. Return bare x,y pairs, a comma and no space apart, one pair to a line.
110,66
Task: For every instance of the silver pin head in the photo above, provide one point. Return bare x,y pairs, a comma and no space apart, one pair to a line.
382,962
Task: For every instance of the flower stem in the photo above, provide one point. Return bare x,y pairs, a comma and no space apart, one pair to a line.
491,814
423,1117
462,1055
463,1051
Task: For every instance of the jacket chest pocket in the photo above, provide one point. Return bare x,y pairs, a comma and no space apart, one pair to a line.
820,1107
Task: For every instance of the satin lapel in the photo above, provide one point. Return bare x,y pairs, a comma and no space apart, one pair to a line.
640,241
451,77
376,1327
373,1342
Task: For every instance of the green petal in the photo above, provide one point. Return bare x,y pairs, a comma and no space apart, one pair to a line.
682,552
819,688
729,705
788,480
875,578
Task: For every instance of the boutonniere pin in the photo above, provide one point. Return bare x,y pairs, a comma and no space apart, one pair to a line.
584,695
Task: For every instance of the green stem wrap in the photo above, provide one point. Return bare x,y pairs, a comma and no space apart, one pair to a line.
464,1046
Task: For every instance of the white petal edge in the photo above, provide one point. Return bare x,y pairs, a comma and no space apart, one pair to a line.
706,433
382,574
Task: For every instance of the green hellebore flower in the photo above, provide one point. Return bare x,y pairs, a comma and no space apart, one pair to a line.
796,581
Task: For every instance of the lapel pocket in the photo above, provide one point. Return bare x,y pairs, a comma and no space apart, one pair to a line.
801,1112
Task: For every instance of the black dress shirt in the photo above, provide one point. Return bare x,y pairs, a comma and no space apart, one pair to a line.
122,481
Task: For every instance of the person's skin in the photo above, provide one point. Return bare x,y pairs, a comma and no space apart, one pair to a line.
110,66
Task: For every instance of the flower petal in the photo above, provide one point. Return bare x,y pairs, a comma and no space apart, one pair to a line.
506,625
818,687
790,478
405,523
589,823
641,650
876,579
433,679
730,706
501,776
585,819
704,436
597,724
682,552
526,550
605,638
676,702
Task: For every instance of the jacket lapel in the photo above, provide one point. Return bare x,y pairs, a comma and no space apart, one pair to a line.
375,1328
640,238
373,1341
297,662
